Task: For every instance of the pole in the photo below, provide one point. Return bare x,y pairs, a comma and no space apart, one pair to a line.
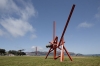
54,26
66,24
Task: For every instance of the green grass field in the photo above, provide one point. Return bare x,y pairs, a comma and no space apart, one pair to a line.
40,61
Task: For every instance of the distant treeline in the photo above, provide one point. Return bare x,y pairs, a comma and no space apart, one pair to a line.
13,52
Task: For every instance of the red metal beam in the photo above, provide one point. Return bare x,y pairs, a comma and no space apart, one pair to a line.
48,53
55,46
66,24
54,28
68,54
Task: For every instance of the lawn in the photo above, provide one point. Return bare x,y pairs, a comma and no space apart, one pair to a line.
40,61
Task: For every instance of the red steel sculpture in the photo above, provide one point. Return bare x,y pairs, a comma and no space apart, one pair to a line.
60,45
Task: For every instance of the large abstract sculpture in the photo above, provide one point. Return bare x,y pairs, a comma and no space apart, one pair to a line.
54,45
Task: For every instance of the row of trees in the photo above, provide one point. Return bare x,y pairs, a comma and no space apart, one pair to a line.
14,52
2,51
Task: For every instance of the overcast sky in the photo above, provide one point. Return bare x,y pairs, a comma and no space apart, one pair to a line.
25,24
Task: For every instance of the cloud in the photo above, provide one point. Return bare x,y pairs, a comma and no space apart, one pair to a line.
2,32
97,15
15,19
85,25
33,36
38,48
16,27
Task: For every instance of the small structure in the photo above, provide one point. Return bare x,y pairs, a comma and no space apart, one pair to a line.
36,51
60,45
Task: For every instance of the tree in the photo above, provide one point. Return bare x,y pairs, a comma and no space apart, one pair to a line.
2,51
20,51
23,53
12,52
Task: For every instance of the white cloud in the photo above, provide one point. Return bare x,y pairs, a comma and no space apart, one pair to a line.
15,19
38,48
33,36
2,32
85,25
16,27
97,15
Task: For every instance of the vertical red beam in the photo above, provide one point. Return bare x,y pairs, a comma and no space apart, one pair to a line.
54,52
62,50
66,24
55,47
54,27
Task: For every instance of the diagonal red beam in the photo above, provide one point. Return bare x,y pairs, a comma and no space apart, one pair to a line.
66,24
48,53
67,53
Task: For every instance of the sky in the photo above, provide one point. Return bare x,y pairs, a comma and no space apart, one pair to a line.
25,24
